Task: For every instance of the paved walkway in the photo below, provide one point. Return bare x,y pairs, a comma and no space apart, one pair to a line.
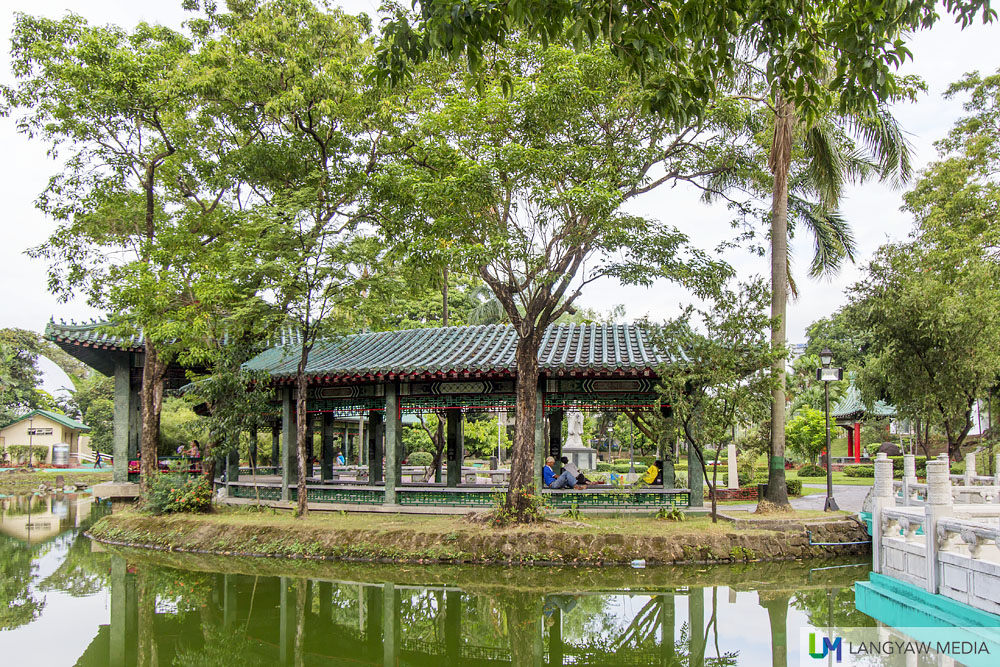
849,498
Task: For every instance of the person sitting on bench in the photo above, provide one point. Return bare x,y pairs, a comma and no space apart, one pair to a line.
653,475
563,481
575,472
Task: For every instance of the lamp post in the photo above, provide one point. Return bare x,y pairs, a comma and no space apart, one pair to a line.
826,375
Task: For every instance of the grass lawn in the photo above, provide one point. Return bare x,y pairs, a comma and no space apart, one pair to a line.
25,482
838,478
446,524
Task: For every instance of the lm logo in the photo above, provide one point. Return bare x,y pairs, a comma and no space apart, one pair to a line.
826,648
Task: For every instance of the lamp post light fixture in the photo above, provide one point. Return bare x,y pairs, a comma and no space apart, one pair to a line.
826,375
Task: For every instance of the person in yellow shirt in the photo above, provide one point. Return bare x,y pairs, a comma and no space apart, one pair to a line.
653,474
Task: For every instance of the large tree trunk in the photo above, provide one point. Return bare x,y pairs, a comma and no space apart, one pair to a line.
780,164
301,418
151,400
523,451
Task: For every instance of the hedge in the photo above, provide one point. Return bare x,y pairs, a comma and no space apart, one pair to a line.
810,470
793,487
859,471
420,459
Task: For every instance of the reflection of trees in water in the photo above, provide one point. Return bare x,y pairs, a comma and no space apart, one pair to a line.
18,604
81,572
819,603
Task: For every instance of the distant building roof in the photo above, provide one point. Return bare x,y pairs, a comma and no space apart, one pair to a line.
589,349
851,407
68,422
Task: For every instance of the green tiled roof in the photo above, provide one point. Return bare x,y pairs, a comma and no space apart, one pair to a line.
89,334
452,351
850,406
68,422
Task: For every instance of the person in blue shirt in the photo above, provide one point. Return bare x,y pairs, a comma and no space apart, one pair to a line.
340,459
565,480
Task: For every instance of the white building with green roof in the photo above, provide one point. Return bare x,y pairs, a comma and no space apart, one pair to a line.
44,428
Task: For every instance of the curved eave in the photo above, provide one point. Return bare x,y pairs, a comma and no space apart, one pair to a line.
505,373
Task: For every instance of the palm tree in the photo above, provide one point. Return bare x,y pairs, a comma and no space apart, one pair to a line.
810,164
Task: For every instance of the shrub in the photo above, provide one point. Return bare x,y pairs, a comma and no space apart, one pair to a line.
793,487
921,465
644,461
958,468
420,459
859,471
178,492
18,453
810,470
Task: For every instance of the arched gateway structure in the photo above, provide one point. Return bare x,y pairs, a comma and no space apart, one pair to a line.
362,386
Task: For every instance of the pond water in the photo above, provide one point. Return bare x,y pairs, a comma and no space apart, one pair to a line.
66,601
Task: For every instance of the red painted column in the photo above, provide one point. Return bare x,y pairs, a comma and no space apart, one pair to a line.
850,443
857,442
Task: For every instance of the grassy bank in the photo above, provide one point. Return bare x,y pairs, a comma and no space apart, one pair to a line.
20,481
450,539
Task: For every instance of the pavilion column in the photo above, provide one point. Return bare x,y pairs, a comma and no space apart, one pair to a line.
119,612
555,638
555,438
134,423
310,449
393,441
286,621
453,626
122,415
539,461
362,443
252,448
373,619
696,626
276,443
346,446
326,438
390,623
229,604
696,478
857,442
455,445
289,453
232,469
666,630
374,447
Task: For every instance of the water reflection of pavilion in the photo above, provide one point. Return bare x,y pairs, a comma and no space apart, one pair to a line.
162,615
38,518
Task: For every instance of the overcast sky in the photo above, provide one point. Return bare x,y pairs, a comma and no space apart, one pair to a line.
941,56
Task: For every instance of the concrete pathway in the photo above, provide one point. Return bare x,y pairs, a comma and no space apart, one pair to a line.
849,498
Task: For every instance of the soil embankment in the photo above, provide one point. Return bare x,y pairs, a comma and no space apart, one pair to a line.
443,539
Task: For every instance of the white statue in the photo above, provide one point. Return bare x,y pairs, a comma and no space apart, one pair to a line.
574,428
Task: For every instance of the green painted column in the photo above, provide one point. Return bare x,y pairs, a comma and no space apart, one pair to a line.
116,657
390,624
453,626
286,620
310,441
375,449
696,478
393,441
326,437
276,443
120,419
232,469
373,621
252,448
696,626
555,438
454,445
540,448
134,424
289,451
555,638
667,630
229,605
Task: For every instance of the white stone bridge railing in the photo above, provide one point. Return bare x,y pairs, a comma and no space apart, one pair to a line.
969,488
942,538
